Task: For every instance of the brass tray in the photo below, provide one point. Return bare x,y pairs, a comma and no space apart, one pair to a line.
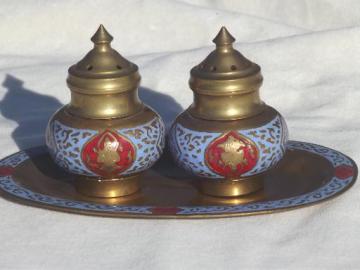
308,174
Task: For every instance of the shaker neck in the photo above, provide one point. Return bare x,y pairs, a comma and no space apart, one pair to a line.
226,99
116,105
104,98
225,107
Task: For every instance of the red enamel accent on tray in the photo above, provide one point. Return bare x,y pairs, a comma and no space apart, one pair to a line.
6,170
165,210
344,171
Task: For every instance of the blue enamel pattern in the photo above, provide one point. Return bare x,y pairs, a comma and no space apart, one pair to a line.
188,147
66,143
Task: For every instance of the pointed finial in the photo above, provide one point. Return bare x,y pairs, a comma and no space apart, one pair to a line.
223,37
101,36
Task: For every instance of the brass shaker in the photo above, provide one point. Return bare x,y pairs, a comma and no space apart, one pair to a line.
106,136
228,137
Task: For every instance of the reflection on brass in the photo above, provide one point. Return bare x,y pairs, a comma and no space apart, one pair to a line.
231,188
107,188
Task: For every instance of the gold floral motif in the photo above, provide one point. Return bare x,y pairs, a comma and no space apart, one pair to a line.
108,156
233,154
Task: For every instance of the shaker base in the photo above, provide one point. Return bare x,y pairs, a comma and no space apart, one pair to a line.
231,188
107,188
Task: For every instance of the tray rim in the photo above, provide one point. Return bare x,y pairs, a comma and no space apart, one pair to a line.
27,202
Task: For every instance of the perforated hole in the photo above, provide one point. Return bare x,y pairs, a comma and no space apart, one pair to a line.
89,67
119,67
213,68
233,67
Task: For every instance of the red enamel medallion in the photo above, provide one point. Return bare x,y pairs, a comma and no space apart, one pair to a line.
108,154
231,155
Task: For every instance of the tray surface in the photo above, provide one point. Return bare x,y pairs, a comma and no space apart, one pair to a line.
307,174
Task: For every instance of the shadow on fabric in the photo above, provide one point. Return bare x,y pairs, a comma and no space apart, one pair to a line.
31,110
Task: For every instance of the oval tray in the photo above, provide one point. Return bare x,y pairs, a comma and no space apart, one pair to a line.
307,174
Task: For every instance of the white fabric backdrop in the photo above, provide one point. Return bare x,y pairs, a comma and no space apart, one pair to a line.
310,55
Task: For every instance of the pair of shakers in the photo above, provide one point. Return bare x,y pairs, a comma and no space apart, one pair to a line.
107,137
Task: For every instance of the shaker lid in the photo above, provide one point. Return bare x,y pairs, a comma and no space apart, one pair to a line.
227,65
103,62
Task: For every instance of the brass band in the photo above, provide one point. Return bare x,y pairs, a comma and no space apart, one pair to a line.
107,188
231,188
